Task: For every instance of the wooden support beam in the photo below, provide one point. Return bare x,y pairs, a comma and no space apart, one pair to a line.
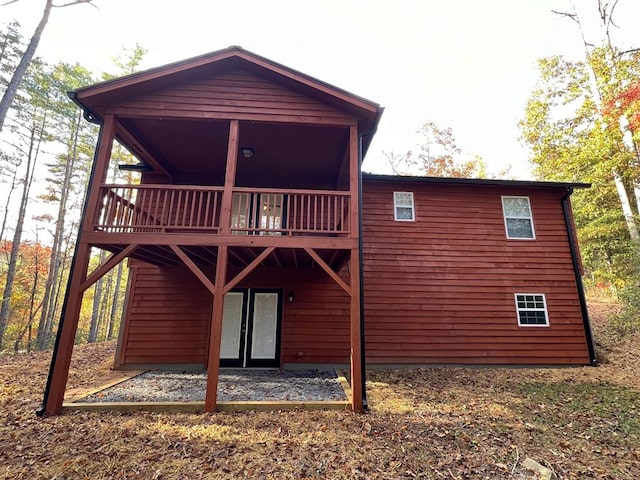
208,240
128,140
355,334
354,269
103,269
329,270
229,177
59,371
248,269
215,335
235,255
194,268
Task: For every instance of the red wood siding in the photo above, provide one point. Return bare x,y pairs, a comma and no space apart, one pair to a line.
232,94
441,289
167,317
169,314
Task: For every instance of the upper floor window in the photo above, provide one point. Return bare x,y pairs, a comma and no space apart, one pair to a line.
403,206
532,309
518,219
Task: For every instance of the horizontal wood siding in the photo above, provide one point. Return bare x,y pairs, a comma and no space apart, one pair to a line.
441,289
232,94
168,316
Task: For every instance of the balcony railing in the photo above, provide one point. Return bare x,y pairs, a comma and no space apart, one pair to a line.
179,208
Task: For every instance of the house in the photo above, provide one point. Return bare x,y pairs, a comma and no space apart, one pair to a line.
253,230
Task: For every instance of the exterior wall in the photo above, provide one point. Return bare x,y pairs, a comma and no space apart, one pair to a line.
168,316
236,94
441,289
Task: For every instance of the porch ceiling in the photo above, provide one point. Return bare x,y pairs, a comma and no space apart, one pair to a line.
239,257
285,156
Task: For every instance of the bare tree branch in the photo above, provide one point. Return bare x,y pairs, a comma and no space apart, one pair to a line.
74,2
8,3
572,16
631,50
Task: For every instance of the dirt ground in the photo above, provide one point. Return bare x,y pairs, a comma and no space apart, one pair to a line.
432,423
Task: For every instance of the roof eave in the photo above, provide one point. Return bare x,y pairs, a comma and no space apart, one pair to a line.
474,181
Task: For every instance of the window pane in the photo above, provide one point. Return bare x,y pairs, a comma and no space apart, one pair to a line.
516,207
533,317
404,199
519,228
404,213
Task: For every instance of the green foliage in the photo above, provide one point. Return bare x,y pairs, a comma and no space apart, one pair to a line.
571,140
11,49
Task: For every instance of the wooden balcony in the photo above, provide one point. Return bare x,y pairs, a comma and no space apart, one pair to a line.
159,209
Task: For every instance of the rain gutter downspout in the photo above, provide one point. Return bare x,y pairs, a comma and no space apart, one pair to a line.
576,270
363,367
40,411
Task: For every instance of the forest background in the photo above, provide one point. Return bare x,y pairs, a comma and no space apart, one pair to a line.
581,123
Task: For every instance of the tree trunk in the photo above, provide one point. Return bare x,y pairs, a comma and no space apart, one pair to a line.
95,310
5,215
626,207
54,264
34,147
21,69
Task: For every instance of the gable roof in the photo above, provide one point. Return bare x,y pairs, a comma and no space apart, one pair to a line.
93,96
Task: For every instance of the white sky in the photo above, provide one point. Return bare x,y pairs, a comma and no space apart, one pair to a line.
465,64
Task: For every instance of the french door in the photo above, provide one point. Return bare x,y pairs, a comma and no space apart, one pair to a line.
251,328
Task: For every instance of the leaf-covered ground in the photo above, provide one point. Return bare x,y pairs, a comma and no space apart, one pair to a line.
445,423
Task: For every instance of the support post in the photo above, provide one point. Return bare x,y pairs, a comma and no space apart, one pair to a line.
65,339
229,178
357,380
215,335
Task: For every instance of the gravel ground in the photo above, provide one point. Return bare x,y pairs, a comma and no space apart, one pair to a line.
233,385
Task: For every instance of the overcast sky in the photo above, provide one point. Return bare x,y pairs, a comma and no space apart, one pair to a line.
465,64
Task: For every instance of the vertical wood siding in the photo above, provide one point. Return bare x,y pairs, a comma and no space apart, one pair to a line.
441,289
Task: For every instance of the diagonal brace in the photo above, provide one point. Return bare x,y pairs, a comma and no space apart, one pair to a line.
103,269
329,270
194,268
248,269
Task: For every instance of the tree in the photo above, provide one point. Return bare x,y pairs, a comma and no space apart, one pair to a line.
26,58
32,123
575,136
77,136
437,155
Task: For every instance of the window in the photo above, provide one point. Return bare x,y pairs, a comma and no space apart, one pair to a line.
532,310
403,206
517,217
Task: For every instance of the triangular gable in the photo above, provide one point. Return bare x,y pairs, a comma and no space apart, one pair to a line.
237,92
98,97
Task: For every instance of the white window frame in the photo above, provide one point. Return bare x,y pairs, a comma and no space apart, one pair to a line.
530,218
396,206
534,309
